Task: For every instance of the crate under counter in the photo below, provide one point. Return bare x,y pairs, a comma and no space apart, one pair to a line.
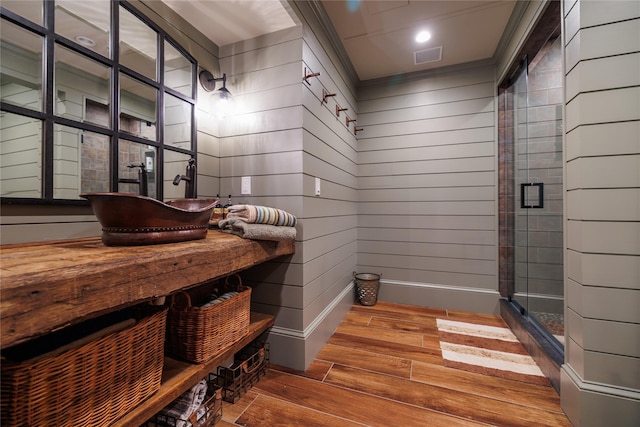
250,364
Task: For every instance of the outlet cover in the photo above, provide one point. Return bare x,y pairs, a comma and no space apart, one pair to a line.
317,186
245,188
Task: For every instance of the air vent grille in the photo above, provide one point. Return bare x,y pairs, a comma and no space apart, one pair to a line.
428,55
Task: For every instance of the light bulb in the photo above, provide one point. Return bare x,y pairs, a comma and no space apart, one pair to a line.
423,36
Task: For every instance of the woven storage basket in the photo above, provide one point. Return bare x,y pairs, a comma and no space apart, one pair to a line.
91,385
196,334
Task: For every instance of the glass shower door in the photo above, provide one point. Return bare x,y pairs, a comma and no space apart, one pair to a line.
538,172
521,177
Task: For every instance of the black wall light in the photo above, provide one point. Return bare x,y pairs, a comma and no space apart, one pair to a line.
208,82
222,102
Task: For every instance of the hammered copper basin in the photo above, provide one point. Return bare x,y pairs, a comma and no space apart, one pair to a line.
131,220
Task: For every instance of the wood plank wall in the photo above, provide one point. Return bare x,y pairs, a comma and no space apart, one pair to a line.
285,137
602,127
330,155
427,188
263,140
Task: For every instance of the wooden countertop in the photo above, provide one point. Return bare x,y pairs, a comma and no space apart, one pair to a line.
47,286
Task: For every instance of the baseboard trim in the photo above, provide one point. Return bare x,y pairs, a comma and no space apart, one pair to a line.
297,349
293,333
589,404
477,300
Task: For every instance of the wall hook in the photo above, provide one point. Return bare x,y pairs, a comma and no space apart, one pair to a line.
307,76
326,95
348,120
338,109
356,130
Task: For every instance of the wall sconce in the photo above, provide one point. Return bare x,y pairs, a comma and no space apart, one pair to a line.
221,100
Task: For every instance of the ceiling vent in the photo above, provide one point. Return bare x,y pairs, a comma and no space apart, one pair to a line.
428,55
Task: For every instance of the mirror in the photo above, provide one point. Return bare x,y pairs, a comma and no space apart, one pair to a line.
85,22
138,45
27,9
78,153
21,66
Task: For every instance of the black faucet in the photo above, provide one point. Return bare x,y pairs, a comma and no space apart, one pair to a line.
143,188
189,178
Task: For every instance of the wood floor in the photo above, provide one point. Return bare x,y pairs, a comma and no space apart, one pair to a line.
383,367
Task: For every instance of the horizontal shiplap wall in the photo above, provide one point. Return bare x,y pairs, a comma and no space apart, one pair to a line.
602,64
330,155
284,137
427,183
263,140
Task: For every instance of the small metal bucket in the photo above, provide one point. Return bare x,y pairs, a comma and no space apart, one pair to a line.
367,285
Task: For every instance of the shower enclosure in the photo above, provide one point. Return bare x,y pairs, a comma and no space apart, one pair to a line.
532,193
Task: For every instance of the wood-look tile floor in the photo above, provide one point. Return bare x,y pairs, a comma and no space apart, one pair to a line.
383,367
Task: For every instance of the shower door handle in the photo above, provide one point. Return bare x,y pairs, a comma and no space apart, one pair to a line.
523,192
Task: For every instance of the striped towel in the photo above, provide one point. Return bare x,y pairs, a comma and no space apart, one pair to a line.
188,403
262,215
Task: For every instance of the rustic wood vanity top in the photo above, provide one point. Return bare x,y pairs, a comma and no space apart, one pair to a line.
50,285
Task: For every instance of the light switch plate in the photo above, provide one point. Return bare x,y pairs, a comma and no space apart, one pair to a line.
245,188
317,186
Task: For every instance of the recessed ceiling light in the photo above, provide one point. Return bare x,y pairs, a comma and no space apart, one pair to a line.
423,36
85,41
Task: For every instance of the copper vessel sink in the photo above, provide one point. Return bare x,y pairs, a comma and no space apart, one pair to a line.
131,220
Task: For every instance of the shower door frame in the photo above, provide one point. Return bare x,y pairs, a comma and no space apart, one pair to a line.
533,214
548,355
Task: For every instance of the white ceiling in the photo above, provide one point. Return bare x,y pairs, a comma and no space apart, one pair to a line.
230,21
377,36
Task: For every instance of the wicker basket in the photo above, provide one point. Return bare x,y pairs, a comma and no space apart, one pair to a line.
196,334
90,385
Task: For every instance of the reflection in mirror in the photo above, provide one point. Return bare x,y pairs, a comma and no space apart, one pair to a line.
131,158
20,156
174,164
78,79
32,10
137,108
178,71
80,162
21,66
177,122
82,91
95,166
138,45
85,22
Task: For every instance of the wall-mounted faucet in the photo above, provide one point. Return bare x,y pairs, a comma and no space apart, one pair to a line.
143,187
190,180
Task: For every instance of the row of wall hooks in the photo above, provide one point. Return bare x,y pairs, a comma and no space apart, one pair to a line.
308,76
326,95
